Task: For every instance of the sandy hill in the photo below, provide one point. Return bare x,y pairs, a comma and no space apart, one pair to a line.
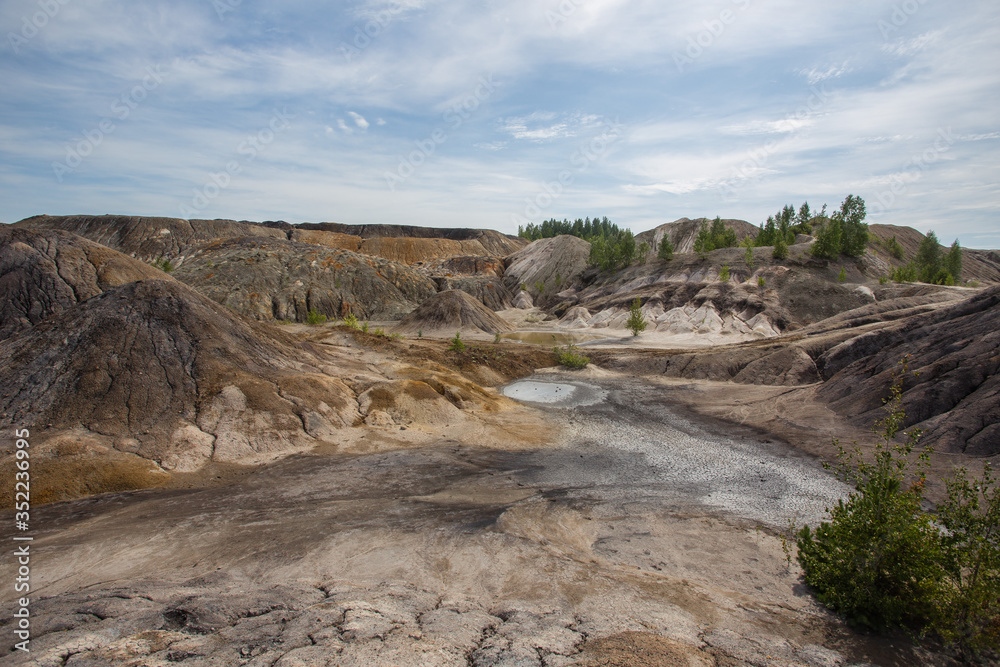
981,265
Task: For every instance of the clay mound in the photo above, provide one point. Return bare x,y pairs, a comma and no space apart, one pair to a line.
955,398
495,243
156,370
283,280
490,291
553,265
45,273
451,311
684,231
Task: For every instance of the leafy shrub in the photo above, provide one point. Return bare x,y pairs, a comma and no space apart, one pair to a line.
164,264
748,257
724,273
884,562
570,357
364,327
456,343
352,322
496,338
315,317
636,322
761,282
842,276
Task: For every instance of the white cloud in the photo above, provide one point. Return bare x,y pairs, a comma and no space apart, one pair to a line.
359,120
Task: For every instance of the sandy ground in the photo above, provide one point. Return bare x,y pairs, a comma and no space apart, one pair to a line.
635,533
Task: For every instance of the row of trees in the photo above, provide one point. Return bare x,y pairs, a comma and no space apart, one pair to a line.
786,224
586,229
931,265
714,237
843,233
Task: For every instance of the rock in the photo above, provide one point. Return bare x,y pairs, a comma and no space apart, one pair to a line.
789,367
523,301
490,291
45,273
451,311
955,396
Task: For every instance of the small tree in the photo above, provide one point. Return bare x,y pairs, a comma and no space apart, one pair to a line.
780,250
724,273
827,245
842,276
666,250
748,257
636,322
456,343
953,262
643,252
877,559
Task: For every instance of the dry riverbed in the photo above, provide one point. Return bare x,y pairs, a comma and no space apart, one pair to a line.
638,534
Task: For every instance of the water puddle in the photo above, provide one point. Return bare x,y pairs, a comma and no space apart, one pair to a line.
555,394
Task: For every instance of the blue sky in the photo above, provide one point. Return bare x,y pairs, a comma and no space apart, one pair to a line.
491,114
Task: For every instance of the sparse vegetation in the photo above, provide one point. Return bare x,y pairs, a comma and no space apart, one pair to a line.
724,273
884,562
643,252
845,232
456,343
761,282
351,322
315,317
748,257
930,265
842,276
780,249
164,264
715,237
636,322
497,338
570,356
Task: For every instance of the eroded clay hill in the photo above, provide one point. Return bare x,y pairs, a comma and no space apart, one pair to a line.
279,271
449,312
44,273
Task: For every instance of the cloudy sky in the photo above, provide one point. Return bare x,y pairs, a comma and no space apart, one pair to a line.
496,113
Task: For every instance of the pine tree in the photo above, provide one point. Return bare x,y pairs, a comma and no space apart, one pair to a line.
636,322
666,250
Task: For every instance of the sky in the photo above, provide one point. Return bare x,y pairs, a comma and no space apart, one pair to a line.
495,114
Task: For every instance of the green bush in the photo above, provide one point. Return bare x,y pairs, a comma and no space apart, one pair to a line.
884,562
780,250
724,273
570,357
666,249
842,276
351,321
636,322
456,343
164,264
315,317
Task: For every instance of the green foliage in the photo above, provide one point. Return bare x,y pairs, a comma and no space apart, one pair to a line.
748,257
496,338
842,276
894,248
636,322
845,232
570,357
969,608
780,250
876,561
523,286
827,245
643,251
420,333
352,321
953,262
164,264
666,249
782,227
611,253
884,562
585,229
456,343
539,286
714,237
883,280
315,317
364,327
761,282
931,265
724,273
